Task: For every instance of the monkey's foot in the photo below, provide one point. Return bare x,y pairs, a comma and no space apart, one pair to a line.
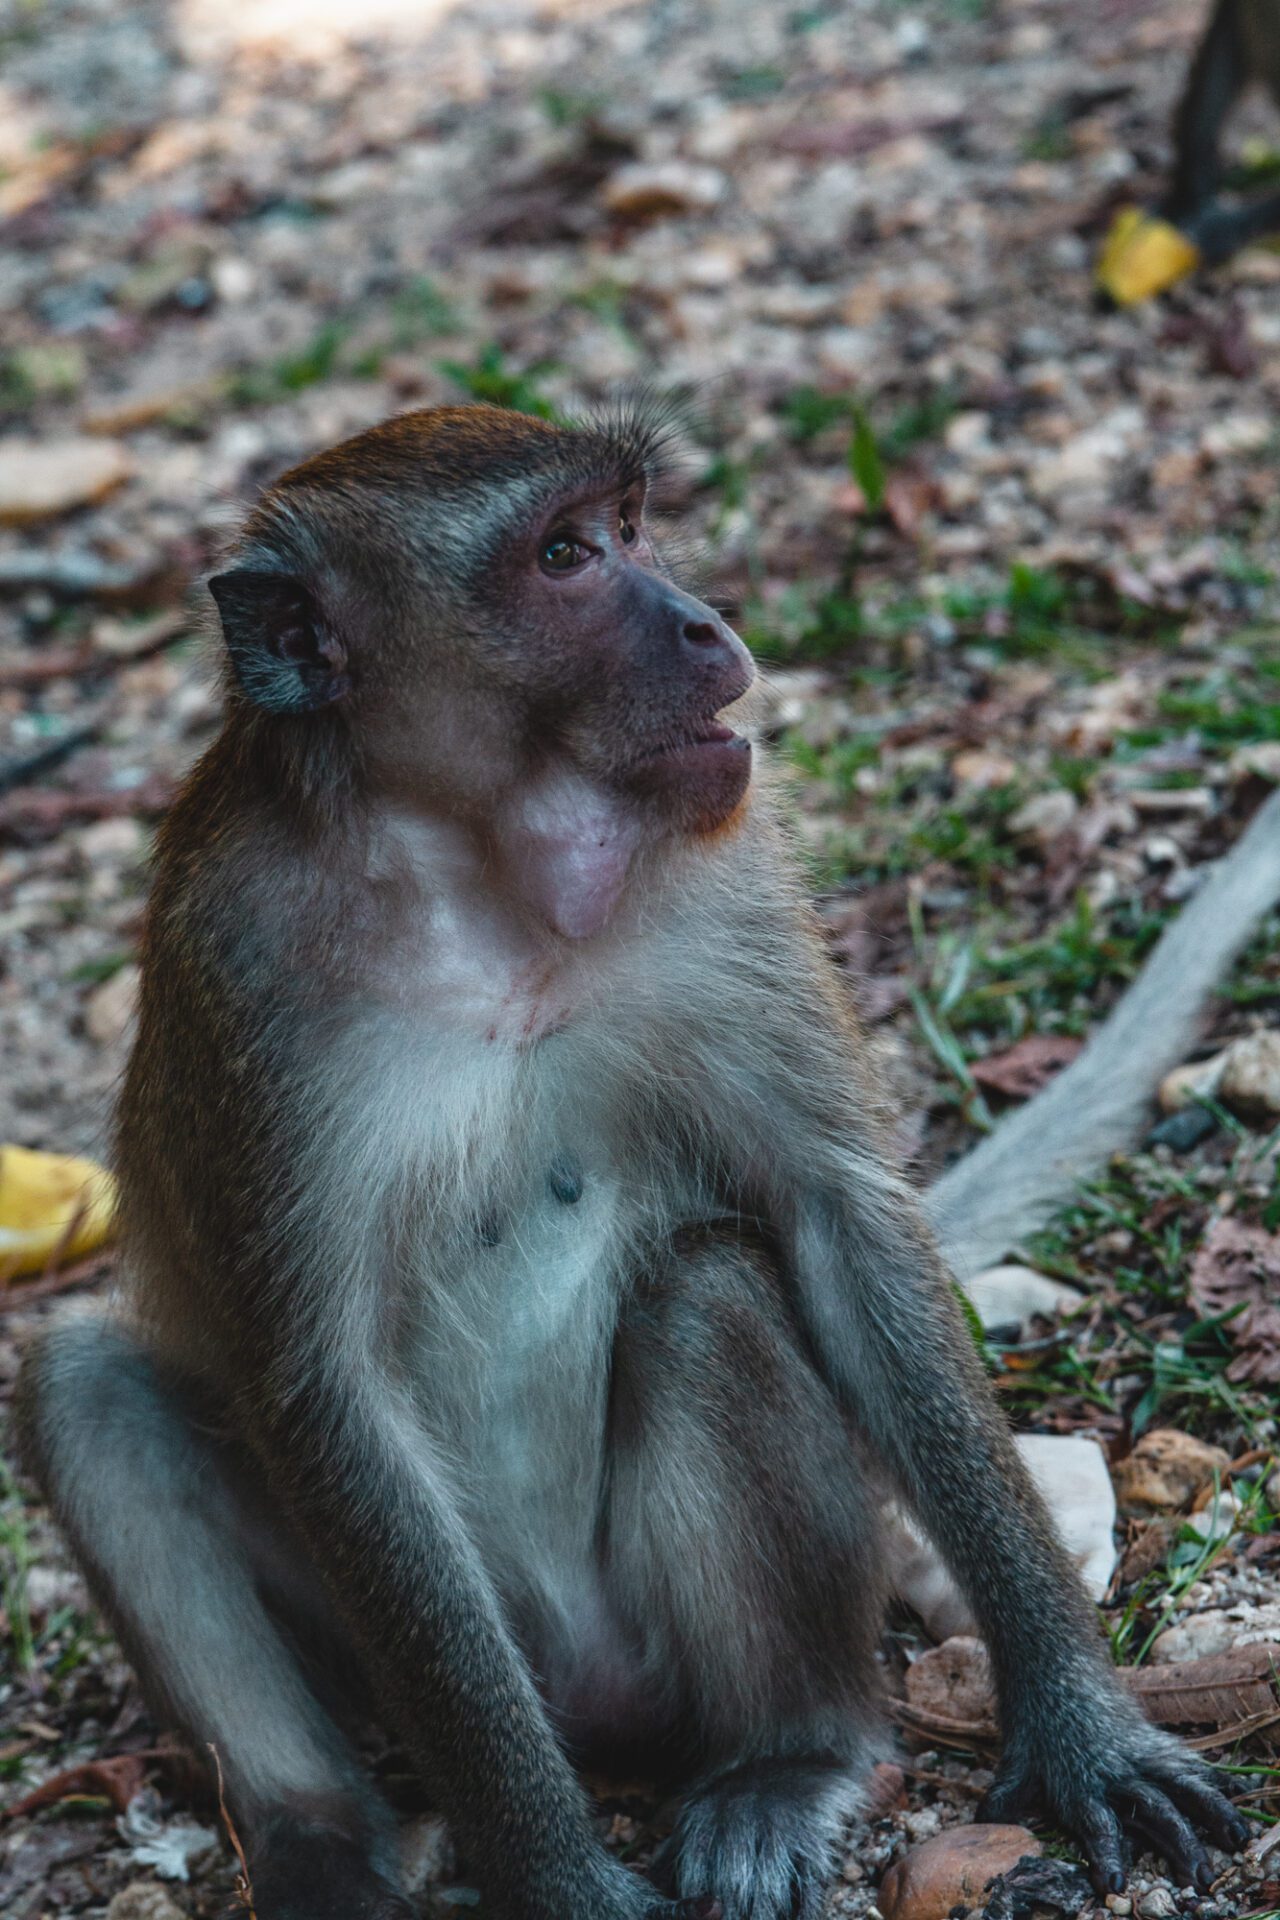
761,1839
1121,1780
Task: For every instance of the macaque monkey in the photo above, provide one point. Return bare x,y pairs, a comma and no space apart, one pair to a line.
1241,44
523,1314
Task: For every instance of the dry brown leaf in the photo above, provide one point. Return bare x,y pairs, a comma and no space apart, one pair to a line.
1219,1691
116,1780
1021,1070
1238,1266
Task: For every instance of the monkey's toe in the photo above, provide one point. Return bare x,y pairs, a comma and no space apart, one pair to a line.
761,1839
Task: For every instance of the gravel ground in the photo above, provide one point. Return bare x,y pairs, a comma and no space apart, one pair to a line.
1003,550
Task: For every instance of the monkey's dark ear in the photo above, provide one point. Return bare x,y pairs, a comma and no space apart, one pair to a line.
283,655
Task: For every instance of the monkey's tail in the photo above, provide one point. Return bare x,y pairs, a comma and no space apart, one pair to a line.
983,1205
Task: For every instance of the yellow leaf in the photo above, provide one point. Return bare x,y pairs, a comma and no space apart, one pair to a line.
1142,256
52,1207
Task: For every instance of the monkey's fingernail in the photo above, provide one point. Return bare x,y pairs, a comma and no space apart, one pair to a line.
1204,1876
1115,1881
1238,1833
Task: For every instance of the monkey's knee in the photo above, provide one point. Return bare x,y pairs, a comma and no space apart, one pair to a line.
87,1390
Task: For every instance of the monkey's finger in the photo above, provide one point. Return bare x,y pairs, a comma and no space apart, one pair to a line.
1102,1843
1158,1821
1209,1808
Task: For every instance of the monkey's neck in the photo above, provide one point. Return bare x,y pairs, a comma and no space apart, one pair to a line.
566,847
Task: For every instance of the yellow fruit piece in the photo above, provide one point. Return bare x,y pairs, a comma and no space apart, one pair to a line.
51,1206
1142,256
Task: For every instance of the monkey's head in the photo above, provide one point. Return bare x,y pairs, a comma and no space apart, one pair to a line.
475,597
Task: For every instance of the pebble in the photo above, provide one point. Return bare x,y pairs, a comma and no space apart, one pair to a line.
953,1869
1250,1083
1010,1295
651,192
1245,1077
1042,818
1165,1471
1159,1904
1194,1639
983,770
41,479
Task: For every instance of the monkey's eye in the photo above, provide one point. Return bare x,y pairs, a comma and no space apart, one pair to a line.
626,529
560,554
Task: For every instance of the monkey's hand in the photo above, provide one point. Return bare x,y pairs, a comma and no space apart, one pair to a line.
1089,1761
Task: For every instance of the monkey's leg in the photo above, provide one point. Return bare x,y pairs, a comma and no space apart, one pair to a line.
740,1524
151,1505
1219,72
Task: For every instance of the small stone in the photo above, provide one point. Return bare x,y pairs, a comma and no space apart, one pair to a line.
120,839
1042,818
1159,1904
982,770
110,1008
125,412
1010,1295
1180,1132
954,1869
144,1900
1215,1518
1165,1472
1119,1903
1250,1083
1197,1080
654,192
1195,1639
40,479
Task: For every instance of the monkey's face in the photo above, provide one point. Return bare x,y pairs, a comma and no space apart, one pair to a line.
621,671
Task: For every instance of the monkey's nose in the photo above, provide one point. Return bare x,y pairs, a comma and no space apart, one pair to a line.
703,633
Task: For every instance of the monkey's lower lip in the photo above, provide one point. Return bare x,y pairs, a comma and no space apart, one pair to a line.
705,738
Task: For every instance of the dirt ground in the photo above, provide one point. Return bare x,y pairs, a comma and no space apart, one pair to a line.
1012,559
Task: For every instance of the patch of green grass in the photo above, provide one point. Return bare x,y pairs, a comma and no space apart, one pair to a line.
15,1563
566,108
489,378
292,372
94,972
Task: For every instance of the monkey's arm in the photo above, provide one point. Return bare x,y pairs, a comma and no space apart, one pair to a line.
880,1314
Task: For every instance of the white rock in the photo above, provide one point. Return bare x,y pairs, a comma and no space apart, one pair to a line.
1159,1904
1250,1083
1217,1519
1194,1639
1071,1473
1010,1295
